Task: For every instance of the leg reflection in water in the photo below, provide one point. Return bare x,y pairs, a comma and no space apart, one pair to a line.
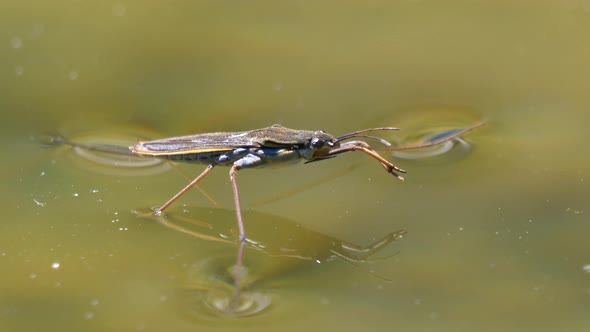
240,272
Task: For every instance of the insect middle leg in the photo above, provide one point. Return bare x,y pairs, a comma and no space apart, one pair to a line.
234,183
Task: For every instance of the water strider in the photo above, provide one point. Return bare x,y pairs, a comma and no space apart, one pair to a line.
272,145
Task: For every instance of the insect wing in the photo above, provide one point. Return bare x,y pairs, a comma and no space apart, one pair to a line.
200,143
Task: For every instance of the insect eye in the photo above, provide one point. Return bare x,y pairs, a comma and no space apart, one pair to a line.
316,143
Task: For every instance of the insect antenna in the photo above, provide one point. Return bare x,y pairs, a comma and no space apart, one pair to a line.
359,132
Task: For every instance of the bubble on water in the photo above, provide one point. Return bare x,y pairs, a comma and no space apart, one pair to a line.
89,315
37,30
586,268
119,9
39,203
55,265
16,42
73,75
574,211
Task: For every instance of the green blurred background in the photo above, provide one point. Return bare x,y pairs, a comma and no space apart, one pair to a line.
497,238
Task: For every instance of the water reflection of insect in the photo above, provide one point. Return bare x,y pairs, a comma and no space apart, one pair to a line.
266,146
213,288
286,239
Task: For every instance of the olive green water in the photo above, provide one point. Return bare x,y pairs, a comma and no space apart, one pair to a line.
497,235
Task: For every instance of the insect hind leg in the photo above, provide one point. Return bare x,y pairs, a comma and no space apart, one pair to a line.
234,183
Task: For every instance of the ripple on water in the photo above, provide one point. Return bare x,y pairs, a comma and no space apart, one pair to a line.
430,133
107,152
211,293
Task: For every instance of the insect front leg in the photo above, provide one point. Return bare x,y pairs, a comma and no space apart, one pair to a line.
366,148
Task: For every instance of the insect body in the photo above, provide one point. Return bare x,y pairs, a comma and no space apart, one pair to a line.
272,145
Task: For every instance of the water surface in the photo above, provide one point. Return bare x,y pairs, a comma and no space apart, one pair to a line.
497,234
